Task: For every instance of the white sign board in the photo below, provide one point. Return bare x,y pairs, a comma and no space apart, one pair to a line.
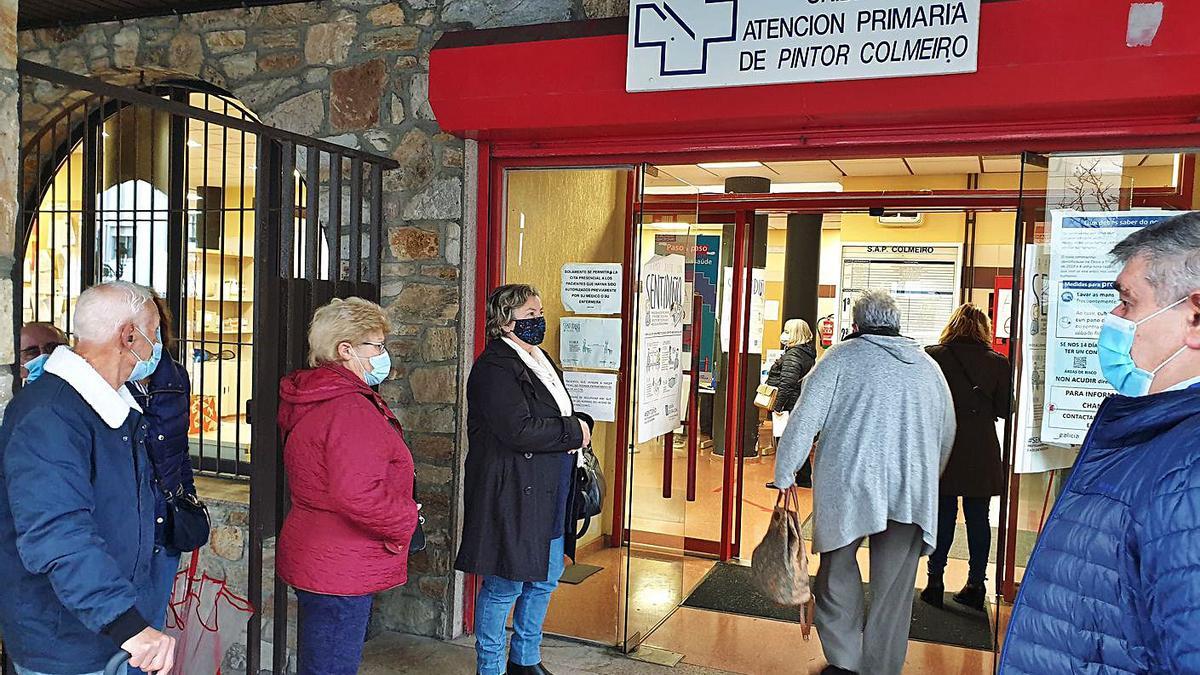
593,393
1003,327
660,347
1081,295
758,302
922,277
591,288
697,44
1033,455
590,343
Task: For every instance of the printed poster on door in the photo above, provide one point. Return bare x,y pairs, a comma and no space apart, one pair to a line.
591,288
660,347
758,298
593,394
586,342
1082,273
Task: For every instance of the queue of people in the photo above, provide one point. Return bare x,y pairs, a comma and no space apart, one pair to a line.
98,499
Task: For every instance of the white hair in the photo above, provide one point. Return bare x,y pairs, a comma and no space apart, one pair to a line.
876,309
1171,249
102,310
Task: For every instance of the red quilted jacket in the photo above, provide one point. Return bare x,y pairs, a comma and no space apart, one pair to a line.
351,480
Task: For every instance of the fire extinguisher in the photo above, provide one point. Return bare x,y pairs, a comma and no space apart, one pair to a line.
826,329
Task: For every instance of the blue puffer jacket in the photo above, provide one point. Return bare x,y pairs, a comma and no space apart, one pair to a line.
1114,583
166,402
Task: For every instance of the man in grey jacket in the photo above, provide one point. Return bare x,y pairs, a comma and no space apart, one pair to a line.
886,423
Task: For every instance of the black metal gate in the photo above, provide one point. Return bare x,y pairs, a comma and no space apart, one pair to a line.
244,229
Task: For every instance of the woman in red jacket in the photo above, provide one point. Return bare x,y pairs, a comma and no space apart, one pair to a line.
350,475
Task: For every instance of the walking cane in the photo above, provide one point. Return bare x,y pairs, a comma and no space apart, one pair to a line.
114,664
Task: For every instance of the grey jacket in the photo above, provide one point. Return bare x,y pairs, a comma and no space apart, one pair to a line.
886,422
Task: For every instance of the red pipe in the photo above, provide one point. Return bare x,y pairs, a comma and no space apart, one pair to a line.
668,463
733,398
693,441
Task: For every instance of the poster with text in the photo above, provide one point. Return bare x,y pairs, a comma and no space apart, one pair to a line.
586,342
923,278
758,303
660,347
1033,455
1082,273
594,394
591,288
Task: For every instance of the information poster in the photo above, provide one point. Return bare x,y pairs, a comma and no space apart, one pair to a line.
590,343
1082,273
660,347
705,277
758,303
922,278
594,394
591,288
1032,454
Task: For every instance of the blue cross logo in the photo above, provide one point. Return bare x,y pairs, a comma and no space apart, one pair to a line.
682,30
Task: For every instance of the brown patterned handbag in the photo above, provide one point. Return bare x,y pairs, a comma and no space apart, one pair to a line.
780,565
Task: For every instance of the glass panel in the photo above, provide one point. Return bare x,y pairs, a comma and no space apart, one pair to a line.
665,466
586,339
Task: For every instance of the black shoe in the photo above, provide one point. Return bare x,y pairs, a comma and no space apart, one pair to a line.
973,596
834,670
514,669
934,594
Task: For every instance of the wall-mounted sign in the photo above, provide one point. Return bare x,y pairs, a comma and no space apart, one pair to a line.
592,288
660,347
696,44
922,277
586,342
594,394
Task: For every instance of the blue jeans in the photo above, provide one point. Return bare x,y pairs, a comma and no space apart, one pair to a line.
330,632
532,599
979,536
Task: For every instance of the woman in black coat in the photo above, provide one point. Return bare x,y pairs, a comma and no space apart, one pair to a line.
518,523
980,383
787,374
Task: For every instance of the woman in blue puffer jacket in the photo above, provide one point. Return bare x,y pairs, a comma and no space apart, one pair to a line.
164,398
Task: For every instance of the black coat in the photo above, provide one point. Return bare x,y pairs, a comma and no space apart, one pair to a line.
975,468
517,438
787,373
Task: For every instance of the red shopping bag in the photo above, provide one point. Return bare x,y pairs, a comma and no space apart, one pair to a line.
204,617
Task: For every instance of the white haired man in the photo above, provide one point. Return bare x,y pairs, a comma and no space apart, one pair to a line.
76,502
886,422
1114,583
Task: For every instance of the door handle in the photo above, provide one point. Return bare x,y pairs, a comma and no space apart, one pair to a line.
693,441
668,463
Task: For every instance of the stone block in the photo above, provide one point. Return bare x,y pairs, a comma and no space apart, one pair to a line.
329,43
279,62
441,344
185,54
356,95
397,110
453,158
431,449
438,384
240,66
415,154
259,95
391,14
425,301
605,9
7,351
499,13
428,419
225,41
303,114
440,272
395,40
442,200
228,542
224,19
277,39
413,243
419,96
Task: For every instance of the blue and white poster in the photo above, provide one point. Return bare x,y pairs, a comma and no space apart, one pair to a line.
1082,273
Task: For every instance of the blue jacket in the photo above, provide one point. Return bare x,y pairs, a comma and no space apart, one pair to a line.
166,405
76,520
1114,582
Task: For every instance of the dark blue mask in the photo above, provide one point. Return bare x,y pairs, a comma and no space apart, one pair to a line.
531,331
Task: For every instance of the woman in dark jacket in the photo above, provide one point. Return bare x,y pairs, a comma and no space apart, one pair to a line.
165,400
979,380
787,374
520,468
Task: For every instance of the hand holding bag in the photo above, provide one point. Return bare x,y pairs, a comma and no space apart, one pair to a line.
780,565
188,525
589,490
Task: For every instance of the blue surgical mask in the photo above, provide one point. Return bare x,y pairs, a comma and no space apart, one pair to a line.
530,331
36,367
381,367
1116,354
143,369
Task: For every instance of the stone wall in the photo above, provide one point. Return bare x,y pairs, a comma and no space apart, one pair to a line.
354,72
9,131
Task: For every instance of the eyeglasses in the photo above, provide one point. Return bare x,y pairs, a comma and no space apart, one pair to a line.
34,351
381,347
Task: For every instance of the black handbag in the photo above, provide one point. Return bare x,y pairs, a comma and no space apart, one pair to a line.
188,525
417,543
589,490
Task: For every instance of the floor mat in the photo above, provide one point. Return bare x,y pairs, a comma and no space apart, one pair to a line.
576,574
729,588
958,550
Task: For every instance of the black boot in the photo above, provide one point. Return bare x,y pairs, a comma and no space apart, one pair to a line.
934,593
514,669
973,596
834,670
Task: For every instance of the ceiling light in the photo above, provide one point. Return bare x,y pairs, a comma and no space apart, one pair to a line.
806,187
193,144
730,165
